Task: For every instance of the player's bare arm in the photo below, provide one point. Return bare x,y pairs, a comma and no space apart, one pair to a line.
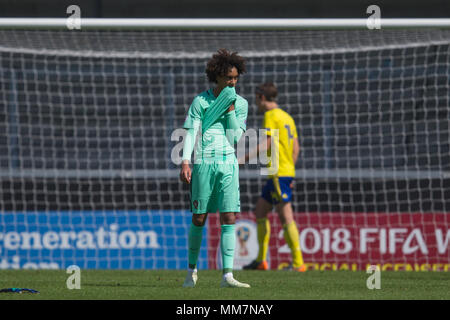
295,151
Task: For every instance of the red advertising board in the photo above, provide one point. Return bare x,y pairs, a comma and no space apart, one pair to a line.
346,241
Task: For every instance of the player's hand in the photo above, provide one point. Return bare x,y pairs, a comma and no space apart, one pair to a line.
231,108
185,173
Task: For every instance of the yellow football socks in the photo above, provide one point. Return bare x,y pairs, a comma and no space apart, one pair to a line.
291,237
263,229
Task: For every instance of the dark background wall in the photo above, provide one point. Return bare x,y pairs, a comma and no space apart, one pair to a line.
229,8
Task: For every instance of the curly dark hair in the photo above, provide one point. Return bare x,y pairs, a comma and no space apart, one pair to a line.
221,63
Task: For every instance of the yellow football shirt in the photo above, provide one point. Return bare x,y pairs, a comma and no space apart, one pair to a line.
280,124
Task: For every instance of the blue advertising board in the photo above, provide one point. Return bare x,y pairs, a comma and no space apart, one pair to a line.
153,239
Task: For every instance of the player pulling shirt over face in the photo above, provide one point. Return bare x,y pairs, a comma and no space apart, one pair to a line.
221,114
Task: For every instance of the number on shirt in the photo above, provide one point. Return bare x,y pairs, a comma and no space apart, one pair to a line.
288,128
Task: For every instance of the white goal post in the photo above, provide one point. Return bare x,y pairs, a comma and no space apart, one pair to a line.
223,24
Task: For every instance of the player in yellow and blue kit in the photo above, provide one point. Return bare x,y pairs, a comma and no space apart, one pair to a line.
282,134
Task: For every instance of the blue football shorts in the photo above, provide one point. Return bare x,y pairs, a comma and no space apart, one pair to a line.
278,189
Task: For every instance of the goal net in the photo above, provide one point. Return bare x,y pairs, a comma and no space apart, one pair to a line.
89,120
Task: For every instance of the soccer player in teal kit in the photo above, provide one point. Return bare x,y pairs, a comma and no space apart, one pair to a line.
221,115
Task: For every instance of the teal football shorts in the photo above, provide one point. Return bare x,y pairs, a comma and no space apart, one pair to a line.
215,186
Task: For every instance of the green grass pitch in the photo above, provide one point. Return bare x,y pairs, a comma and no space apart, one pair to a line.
266,285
